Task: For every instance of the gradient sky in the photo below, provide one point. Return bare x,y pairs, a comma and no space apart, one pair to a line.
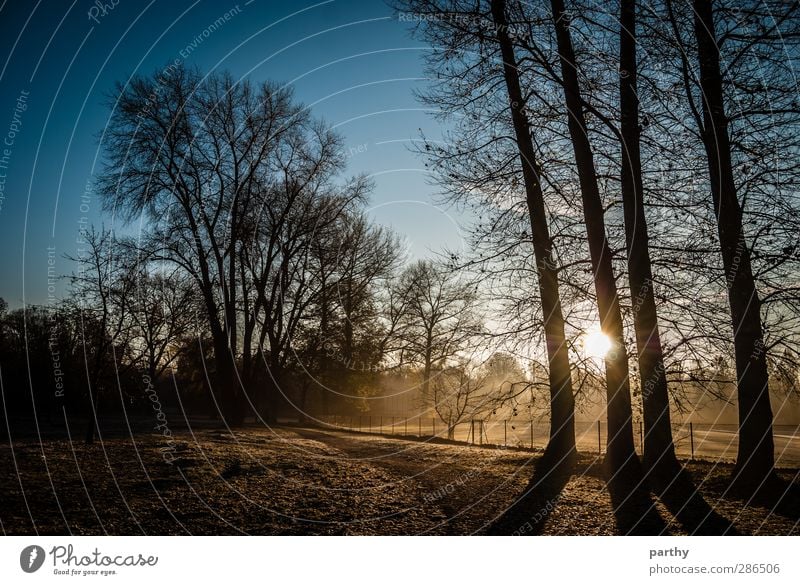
352,61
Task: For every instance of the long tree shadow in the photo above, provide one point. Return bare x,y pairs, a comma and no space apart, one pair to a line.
778,495
634,508
528,515
676,490
783,497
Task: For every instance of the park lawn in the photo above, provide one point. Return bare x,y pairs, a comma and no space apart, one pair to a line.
309,481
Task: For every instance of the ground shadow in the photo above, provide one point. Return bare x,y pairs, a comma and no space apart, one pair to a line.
634,508
528,515
679,494
777,494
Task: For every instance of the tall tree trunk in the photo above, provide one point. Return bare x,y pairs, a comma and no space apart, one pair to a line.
659,451
226,394
274,395
91,412
227,383
93,384
755,459
427,368
562,400
620,451
227,391
324,378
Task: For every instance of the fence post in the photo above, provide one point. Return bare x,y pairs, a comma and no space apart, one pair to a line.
531,433
691,438
505,433
599,441
472,430
480,422
641,434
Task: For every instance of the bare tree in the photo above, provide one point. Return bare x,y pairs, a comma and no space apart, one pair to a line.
441,319
163,311
659,451
755,459
348,336
103,298
743,117
458,393
235,179
490,163
621,454
562,424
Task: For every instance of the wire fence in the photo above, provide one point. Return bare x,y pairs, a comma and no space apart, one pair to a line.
713,442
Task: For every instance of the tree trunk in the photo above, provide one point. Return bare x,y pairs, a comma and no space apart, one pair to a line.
426,371
659,450
620,452
273,393
562,401
227,392
94,391
91,413
755,459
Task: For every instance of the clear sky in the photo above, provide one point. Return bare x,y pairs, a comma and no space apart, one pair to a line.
352,61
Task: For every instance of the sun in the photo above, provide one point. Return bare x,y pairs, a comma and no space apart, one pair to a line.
596,344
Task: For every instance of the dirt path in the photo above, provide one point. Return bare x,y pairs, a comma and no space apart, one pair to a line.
471,486
459,489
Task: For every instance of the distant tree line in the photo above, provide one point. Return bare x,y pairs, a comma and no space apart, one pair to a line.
259,285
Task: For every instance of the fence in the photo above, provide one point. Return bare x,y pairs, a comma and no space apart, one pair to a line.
716,442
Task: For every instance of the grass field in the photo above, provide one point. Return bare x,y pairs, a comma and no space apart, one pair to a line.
311,481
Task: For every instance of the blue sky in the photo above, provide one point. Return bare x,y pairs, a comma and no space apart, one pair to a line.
353,62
